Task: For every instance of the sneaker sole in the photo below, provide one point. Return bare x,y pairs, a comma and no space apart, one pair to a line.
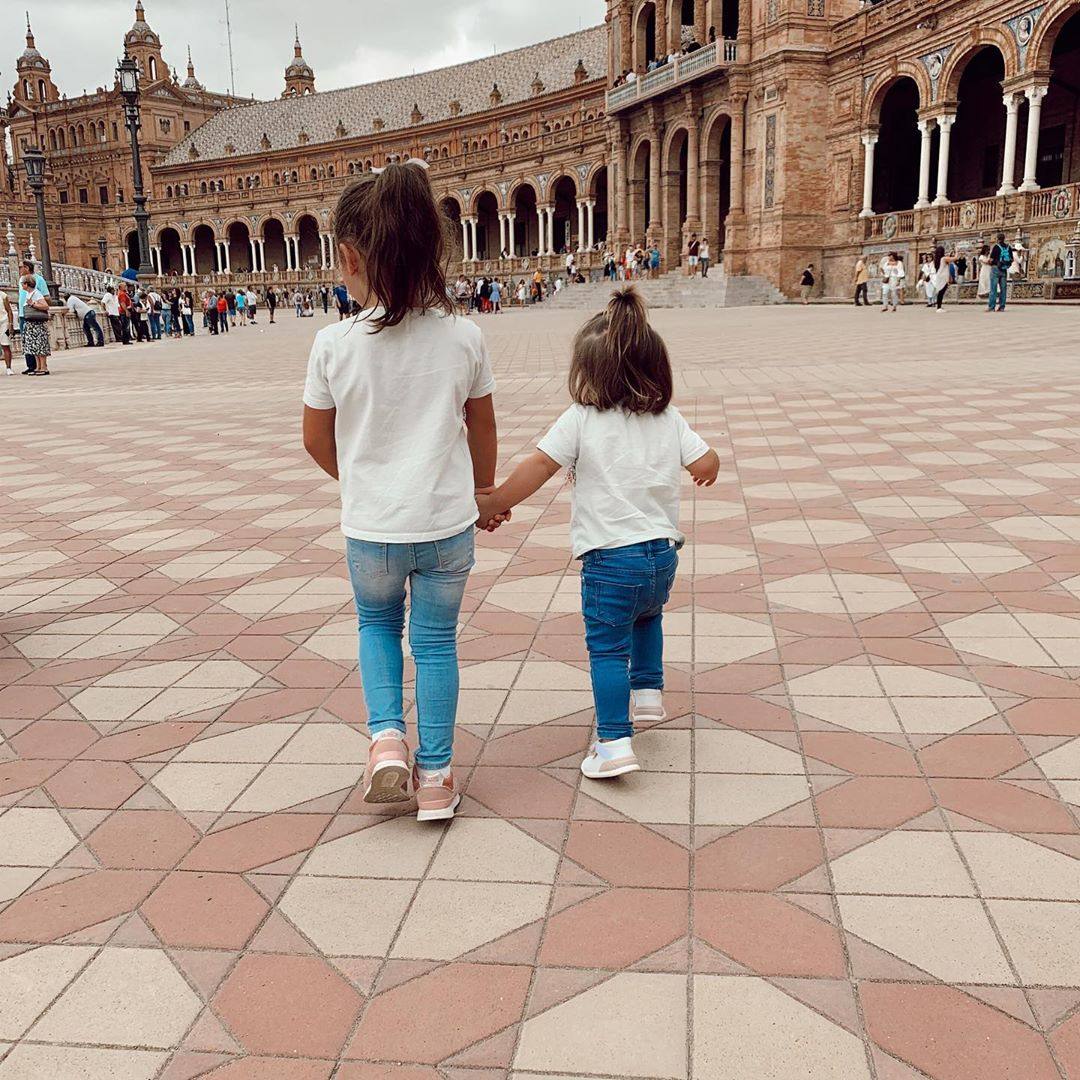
440,814
622,770
649,717
389,784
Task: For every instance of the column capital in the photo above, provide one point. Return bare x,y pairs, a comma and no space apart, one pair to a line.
1035,94
869,138
1011,100
926,124
946,120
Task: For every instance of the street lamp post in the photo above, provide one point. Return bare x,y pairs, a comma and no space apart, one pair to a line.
102,246
127,75
34,163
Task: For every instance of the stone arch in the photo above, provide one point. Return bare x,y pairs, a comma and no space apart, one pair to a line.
675,183
172,256
474,200
564,196
205,245
958,60
885,81
597,187
978,135
273,236
307,241
486,209
639,186
452,197
644,43
715,179
896,157
523,199
450,208
516,186
238,238
1050,23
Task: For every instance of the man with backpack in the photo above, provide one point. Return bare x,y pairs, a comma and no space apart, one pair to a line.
1001,260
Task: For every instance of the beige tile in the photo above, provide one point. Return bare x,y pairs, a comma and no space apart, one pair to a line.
177,702
221,674
540,706
941,715
662,798
488,849
739,800
633,1025
746,1028
334,744
1061,763
551,675
906,863
125,997
854,713
741,752
491,675
388,849
30,980
449,918
15,880
100,704
663,750
1010,866
203,786
258,743
1041,938
33,836
280,786
951,938
28,1062
347,916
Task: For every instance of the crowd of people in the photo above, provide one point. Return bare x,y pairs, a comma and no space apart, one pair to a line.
690,46
992,269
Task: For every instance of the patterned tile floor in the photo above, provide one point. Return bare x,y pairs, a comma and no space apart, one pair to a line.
855,851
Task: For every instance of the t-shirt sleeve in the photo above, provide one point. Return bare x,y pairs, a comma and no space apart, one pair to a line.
483,380
317,387
563,442
691,444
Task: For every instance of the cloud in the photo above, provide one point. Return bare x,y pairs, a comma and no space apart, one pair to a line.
345,42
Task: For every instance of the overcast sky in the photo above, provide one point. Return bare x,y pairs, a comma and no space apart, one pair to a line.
345,41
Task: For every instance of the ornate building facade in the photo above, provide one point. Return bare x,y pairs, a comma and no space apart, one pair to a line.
786,131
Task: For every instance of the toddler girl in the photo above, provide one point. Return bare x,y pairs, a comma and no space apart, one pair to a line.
398,406
625,444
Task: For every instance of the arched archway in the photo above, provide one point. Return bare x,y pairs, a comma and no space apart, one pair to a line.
675,193
1059,130
487,225
172,256
307,233
273,234
729,20
131,245
896,158
716,184
639,187
564,200
202,236
524,223
239,240
598,192
978,136
451,211
645,36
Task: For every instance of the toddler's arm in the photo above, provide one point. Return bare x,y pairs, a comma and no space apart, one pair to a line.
705,469
319,439
528,478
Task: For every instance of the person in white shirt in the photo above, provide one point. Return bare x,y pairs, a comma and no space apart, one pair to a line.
85,314
398,408
891,272
626,446
112,310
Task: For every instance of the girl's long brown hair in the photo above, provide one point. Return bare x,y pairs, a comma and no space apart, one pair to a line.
620,361
393,222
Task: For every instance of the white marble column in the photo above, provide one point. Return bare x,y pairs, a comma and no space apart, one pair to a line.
590,206
511,240
869,142
551,230
464,239
331,251
225,256
253,250
262,254
1008,163
1035,95
503,246
542,231
473,247
581,236
926,137
156,252
945,124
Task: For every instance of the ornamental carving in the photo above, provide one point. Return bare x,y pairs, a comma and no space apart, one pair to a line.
934,63
1022,28
969,215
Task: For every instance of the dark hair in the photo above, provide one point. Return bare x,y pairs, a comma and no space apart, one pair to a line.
393,222
939,254
620,361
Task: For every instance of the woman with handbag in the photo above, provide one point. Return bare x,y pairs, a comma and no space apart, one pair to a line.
36,331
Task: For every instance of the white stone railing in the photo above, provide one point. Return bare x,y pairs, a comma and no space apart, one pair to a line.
73,279
680,70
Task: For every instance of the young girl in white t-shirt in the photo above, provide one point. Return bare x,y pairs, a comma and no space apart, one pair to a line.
626,447
398,407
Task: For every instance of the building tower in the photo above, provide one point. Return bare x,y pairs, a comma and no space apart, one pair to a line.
34,72
299,78
191,83
144,46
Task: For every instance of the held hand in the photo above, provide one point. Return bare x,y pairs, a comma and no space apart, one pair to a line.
491,516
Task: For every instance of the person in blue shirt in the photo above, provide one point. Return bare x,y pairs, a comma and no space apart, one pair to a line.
341,295
27,267
495,297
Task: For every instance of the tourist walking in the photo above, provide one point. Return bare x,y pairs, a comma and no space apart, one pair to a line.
983,290
36,345
241,306
154,312
703,256
806,283
111,303
85,314
298,303
942,275
324,295
1001,261
891,272
223,312
621,427
27,268
7,327
124,299
401,415
271,302
862,276
693,251
495,297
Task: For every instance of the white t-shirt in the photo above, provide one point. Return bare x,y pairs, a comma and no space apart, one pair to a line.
627,473
402,450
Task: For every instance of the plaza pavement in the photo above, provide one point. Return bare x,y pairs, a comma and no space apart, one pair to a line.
855,848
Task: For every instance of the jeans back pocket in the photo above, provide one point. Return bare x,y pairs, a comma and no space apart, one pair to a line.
610,602
457,554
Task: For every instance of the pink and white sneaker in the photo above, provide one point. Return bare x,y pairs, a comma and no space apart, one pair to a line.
386,778
436,794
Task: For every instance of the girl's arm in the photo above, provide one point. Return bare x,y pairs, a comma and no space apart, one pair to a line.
528,478
319,439
705,469
483,439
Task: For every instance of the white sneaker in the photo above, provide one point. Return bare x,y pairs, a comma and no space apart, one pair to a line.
607,759
647,706
9,371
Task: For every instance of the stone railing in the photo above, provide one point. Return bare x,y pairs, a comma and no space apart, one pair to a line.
680,70
1053,204
73,279
886,226
524,266
974,214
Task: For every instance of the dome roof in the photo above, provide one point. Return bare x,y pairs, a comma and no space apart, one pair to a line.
140,32
299,68
191,83
31,59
